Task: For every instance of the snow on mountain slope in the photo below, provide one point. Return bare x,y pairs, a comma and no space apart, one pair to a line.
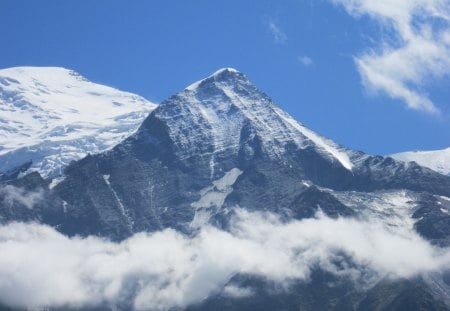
226,103
437,160
53,115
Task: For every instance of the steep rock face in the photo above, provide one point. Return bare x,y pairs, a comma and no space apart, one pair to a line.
221,130
53,115
324,292
433,218
376,172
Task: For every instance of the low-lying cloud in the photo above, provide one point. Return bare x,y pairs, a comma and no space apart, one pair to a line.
11,195
156,271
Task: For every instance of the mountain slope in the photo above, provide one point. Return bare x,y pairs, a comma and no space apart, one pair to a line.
437,160
219,125
218,144
53,116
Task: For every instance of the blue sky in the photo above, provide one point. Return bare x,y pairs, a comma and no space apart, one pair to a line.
373,77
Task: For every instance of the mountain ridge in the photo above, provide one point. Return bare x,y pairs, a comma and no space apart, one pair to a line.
437,160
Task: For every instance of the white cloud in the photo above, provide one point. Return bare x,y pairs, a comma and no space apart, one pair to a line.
11,195
416,51
40,267
305,60
234,291
277,34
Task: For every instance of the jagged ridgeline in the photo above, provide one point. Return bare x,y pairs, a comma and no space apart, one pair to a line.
222,145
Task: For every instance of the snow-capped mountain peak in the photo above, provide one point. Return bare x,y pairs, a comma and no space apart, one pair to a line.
53,115
227,104
226,73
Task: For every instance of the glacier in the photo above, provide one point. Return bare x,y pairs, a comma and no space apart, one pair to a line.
53,115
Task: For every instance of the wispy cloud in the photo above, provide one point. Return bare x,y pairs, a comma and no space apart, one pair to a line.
40,267
417,49
275,31
305,60
10,195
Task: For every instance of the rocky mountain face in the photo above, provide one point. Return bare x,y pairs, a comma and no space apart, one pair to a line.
221,144
217,144
52,116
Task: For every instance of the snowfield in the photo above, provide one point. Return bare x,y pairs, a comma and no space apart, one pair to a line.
437,160
53,115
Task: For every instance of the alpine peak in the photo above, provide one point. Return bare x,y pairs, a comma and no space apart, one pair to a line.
222,75
217,111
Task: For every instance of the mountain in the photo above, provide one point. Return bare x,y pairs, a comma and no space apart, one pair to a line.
437,160
53,116
219,146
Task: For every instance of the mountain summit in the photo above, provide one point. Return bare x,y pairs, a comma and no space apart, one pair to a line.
226,114
222,75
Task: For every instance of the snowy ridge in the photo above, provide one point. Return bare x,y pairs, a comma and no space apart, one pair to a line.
53,115
221,105
437,160
194,85
337,152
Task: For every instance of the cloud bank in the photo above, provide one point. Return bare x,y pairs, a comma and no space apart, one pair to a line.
415,50
41,267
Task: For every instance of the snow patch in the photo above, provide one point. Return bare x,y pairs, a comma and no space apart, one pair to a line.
445,211
444,198
213,197
122,209
56,181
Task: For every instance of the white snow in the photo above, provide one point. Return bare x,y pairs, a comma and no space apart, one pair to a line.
194,85
444,198
306,183
437,160
445,211
56,181
213,197
53,115
122,209
321,142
